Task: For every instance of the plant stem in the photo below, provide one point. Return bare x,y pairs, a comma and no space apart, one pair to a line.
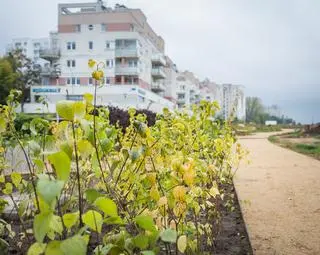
78,174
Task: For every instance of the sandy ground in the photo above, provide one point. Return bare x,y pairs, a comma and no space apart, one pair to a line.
279,194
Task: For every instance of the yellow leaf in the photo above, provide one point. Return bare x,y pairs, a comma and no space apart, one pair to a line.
182,243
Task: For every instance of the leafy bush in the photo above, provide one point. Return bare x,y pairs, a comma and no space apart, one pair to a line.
95,189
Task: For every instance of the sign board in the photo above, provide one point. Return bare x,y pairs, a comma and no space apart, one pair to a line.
46,90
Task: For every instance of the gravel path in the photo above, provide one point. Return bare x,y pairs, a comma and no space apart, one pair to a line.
280,198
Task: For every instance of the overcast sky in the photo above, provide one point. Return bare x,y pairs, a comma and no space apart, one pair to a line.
272,47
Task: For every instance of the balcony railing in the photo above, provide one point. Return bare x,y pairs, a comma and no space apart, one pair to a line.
157,86
126,70
158,59
126,53
50,72
50,54
158,73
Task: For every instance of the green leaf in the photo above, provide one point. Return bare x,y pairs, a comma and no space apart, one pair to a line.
36,249
22,207
148,253
88,98
67,149
93,219
107,206
141,241
116,220
92,195
145,222
70,219
16,178
106,145
41,226
65,109
3,125
169,236
56,224
49,190
2,178
79,109
75,245
8,189
182,243
53,248
62,164
106,250
85,148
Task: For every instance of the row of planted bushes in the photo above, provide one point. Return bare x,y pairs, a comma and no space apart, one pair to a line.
94,189
117,116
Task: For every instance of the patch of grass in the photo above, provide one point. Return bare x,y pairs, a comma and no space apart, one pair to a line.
264,128
308,148
312,150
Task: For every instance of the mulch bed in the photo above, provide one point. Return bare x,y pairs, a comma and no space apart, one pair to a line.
232,239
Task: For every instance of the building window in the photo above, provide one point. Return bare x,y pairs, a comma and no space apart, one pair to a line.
108,45
90,27
77,28
71,63
78,81
91,45
109,63
108,81
71,45
133,63
103,27
90,81
73,80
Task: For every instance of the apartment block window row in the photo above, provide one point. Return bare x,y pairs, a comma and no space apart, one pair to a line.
71,63
71,45
73,81
104,81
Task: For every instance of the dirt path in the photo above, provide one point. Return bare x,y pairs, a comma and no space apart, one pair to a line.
280,198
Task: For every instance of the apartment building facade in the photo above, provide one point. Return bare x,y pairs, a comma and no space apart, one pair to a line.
127,49
137,71
30,47
233,102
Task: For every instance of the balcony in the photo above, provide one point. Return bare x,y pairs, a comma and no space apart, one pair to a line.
126,70
158,59
181,100
157,87
50,72
158,73
50,54
126,53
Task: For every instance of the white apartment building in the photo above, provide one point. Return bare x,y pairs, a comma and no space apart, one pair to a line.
137,71
188,89
30,48
120,39
233,102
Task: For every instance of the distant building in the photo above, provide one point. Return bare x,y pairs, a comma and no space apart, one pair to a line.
233,101
30,48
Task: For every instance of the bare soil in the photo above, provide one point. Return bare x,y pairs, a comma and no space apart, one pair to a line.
279,193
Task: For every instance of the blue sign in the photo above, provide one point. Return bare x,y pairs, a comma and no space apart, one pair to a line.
46,90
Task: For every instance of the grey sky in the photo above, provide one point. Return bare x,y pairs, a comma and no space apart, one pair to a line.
271,47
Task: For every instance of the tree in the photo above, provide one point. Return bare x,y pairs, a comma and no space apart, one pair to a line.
26,71
254,110
7,79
